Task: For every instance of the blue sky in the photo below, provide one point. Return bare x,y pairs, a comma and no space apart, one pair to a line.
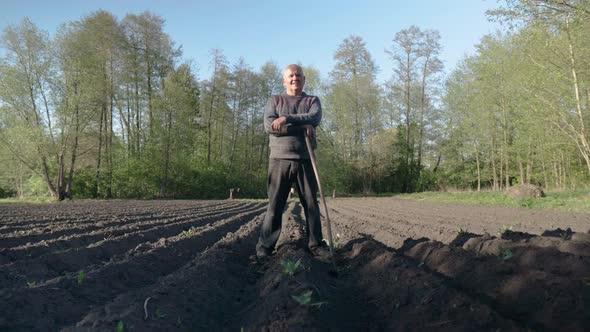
308,32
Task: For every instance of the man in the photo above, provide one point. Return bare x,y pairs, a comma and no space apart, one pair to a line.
287,118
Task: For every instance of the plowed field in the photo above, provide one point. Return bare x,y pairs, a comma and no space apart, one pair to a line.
188,266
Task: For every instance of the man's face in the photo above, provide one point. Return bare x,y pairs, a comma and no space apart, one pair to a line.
293,80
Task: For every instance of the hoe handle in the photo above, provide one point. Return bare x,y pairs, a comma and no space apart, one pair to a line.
317,177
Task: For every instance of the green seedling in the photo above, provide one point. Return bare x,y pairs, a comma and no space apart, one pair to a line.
290,267
337,243
304,299
565,236
32,283
80,278
160,314
120,326
507,254
461,231
189,232
527,203
504,229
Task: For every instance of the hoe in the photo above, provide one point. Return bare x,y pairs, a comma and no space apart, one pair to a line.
317,176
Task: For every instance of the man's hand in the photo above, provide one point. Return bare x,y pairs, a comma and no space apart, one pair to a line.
309,130
278,123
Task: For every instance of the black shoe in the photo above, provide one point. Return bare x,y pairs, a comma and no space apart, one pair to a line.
322,251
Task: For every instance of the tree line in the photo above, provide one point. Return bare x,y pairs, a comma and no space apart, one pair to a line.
108,108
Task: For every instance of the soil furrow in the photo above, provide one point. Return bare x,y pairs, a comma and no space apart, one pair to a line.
78,239
393,292
139,269
547,301
62,230
408,297
204,294
357,222
83,212
477,219
390,276
55,264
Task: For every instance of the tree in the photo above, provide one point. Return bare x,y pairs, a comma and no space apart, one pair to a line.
431,66
178,111
353,98
405,54
566,23
412,93
30,89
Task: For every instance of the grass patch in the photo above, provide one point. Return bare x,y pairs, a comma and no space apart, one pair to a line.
575,201
30,200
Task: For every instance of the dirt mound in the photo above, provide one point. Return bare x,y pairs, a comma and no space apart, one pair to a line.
541,287
523,191
376,289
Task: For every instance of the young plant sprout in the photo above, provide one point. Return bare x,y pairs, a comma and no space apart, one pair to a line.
504,229
304,299
80,278
290,267
507,254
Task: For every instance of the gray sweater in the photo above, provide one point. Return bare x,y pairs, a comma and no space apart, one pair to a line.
289,142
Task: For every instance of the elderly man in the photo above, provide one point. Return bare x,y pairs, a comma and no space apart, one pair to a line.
287,118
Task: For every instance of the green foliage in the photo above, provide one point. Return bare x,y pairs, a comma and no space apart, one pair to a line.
35,186
504,229
142,125
188,233
305,299
461,231
120,326
290,267
527,202
160,314
137,180
29,200
428,181
505,105
6,192
506,254
80,278
83,183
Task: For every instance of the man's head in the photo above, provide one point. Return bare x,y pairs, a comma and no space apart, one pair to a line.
293,80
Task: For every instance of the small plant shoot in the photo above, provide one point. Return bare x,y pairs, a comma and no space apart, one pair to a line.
290,267
80,278
305,299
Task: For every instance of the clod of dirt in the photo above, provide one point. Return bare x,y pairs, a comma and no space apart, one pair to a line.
460,240
564,234
517,236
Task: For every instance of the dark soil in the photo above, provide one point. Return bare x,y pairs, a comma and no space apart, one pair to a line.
189,266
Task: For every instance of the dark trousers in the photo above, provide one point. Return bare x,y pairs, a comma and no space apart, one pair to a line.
281,174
